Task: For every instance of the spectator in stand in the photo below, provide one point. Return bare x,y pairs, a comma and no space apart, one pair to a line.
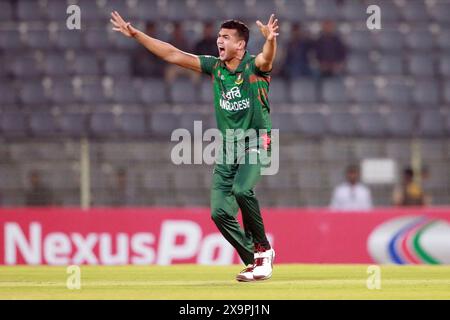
410,192
38,195
173,72
331,52
299,52
146,64
208,44
351,195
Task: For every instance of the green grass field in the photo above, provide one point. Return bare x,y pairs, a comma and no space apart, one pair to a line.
204,282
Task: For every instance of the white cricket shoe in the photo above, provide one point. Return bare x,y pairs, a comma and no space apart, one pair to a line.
246,275
263,263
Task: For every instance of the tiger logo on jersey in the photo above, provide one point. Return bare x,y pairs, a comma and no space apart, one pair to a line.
239,79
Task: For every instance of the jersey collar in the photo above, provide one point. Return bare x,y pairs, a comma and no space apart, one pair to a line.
241,65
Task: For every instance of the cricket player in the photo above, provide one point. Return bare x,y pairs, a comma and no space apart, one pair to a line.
241,86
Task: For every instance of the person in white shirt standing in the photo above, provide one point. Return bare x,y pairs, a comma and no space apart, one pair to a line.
351,195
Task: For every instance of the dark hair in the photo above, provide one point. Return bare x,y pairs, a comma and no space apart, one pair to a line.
240,27
408,172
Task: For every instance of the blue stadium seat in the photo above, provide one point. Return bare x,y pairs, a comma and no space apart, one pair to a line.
326,10
285,122
68,39
183,91
359,64
342,124
312,125
334,92
163,123
420,40
177,10
55,64
360,40
421,65
86,64
42,124
29,11
206,91
390,12
92,94
153,91
97,39
444,66
390,64
8,95
402,124
353,11
125,92
32,94
6,11
73,125
13,125
117,65
303,91
205,9
62,92
38,39
415,11
371,124
278,91
365,92
432,124
25,67
397,94
294,11
426,93
390,40
10,40
443,39
148,10
103,124
133,124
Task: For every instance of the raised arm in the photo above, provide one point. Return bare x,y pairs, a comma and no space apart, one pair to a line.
264,60
163,50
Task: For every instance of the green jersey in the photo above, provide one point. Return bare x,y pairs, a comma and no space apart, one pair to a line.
240,96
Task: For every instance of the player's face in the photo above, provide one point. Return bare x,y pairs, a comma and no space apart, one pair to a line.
228,44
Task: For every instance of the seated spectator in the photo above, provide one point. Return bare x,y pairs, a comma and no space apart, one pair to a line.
172,71
410,192
208,44
298,55
351,195
38,194
330,51
145,63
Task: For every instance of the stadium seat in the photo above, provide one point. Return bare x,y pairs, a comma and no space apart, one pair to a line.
444,66
426,93
153,92
262,10
93,93
25,67
117,65
133,124
206,91
148,10
278,91
42,124
6,11
421,65
326,10
312,125
390,64
420,40
97,39
390,12
402,124
86,64
32,94
359,64
68,39
55,64
293,11
390,40
38,39
103,124
10,40
360,40
432,124
62,92
365,92
237,9
177,11
205,9
303,91
73,125
8,95
285,122
125,92
90,10
446,91
397,94
13,125
443,39
341,124
334,92
56,10
441,12
163,123
414,12
371,124
187,120
29,10
183,91
353,11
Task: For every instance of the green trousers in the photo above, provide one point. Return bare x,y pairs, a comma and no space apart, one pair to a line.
232,188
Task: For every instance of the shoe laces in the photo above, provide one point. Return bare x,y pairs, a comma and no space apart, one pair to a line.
248,268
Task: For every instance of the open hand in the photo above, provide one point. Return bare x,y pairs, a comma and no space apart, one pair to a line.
269,30
121,26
